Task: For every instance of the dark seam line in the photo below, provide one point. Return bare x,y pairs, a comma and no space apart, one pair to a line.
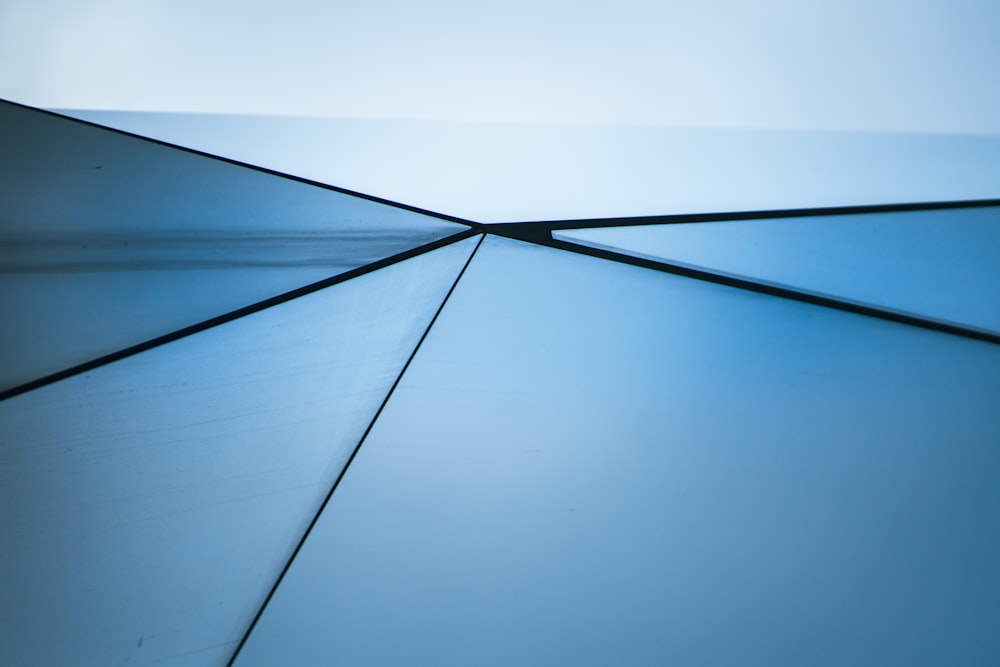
587,223
357,448
232,315
542,235
247,165
782,292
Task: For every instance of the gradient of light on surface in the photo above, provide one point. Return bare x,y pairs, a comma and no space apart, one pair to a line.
918,65
944,265
506,172
150,504
107,241
592,463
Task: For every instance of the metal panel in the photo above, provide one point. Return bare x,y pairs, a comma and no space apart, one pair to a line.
150,504
107,240
593,463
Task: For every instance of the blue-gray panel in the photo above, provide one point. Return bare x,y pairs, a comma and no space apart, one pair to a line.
149,505
119,240
593,463
507,172
939,264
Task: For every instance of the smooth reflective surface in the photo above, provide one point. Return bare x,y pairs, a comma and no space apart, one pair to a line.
115,240
511,172
149,505
944,265
592,463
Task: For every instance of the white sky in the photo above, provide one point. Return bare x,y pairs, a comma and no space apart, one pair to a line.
912,65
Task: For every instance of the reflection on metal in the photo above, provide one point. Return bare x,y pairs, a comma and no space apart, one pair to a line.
188,249
122,241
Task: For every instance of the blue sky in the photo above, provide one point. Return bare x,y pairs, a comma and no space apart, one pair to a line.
914,65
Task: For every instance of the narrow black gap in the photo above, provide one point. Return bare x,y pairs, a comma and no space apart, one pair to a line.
749,215
782,292
246,165
228,317
531,232
364,436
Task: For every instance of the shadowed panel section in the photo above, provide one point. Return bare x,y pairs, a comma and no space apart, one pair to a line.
108,240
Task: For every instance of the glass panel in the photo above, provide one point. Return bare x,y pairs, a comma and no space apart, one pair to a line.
119,240
150,504
944,264
593,463
507,172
